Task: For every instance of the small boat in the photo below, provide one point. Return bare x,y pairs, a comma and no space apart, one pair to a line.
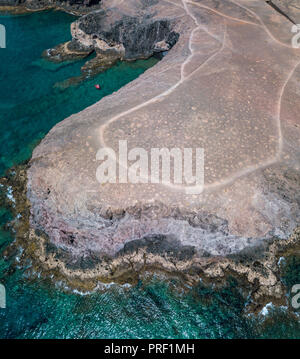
98,87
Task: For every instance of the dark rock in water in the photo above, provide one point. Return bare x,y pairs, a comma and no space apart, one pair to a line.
71,50
131,36
98,64
65,3
75,46
130,32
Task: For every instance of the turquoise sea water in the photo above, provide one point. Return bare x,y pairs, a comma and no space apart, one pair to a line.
30,104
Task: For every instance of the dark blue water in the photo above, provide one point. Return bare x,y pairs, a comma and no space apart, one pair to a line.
32,100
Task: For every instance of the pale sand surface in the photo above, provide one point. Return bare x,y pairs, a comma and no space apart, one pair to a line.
231,86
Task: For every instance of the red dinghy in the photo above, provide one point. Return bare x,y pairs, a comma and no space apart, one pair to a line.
98,87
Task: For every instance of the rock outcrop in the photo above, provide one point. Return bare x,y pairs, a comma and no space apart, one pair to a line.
71,50
117,33
73,6
229,85
129,35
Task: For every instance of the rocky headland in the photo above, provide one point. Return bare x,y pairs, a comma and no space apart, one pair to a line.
127,33
77,7
229,83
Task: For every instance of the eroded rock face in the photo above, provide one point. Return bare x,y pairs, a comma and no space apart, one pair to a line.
128,32
71,50
36,4
228,85
129,36
77,7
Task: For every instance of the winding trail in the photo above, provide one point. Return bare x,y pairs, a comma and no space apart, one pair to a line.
225,90
184,77
170,90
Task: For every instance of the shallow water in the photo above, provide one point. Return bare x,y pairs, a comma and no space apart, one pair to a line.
30,104
33,98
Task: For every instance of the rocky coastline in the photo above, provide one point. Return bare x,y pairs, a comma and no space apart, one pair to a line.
229,82
257,270
111,39
75,7
126,36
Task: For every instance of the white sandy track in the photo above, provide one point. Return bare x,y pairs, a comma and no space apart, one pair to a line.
183,78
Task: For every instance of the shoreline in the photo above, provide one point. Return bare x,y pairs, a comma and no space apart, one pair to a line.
22,9
267,180
258,265
256,271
